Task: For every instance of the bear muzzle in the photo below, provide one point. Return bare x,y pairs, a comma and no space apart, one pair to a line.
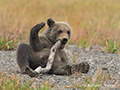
63,42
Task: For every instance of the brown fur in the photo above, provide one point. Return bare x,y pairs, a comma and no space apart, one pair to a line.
36,54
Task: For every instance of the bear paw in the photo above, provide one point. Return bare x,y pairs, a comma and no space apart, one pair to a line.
42,24
31,72
82,67
37,28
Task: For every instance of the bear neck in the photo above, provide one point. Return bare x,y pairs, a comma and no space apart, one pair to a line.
50,40
47,34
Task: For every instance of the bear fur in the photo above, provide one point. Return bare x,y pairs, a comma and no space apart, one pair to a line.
36,54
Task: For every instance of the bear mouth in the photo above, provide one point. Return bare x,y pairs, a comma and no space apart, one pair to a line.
62,45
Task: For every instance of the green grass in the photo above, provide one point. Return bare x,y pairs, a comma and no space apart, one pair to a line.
84,43
7,42
8,82
74,58
112,46
88,83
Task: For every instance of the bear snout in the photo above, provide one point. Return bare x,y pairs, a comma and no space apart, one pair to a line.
64,40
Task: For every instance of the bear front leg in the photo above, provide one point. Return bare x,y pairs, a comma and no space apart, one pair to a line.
34,31
34,38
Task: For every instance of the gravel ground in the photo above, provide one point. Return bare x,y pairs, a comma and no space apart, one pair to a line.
95,55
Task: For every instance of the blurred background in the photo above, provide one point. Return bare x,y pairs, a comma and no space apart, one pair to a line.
92,21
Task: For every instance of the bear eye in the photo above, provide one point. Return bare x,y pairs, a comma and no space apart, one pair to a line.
68,32
60,31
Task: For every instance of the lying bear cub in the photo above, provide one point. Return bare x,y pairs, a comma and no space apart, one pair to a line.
36,54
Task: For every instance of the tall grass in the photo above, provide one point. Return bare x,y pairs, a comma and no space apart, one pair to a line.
91,20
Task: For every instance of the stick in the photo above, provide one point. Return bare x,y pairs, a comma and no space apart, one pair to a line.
50,59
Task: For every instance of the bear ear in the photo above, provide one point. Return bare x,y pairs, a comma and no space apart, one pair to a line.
50,22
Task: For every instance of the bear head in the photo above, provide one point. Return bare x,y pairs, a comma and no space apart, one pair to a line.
58,31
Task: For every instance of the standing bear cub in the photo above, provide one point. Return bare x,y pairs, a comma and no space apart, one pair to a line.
36,54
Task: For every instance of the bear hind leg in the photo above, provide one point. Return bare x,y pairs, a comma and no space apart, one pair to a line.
23,55
71,68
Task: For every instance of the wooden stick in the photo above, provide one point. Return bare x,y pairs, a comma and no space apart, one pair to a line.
50,59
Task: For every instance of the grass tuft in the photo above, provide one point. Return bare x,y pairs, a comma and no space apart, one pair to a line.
74,58
112,46
8,42
84,43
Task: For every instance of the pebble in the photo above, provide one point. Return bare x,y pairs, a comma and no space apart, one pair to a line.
95,55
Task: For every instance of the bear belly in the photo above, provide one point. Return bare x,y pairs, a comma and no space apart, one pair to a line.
39,59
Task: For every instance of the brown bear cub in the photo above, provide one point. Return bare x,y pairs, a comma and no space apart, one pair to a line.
36,54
